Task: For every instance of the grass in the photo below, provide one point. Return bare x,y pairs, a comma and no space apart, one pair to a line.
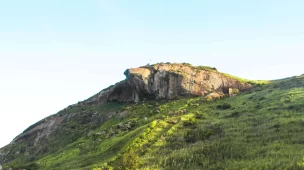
257,82
258,129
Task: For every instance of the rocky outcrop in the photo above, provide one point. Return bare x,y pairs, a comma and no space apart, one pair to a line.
120,92
41,129
39,137
170,81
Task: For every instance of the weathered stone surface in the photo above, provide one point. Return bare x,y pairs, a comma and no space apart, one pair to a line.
41,129
215,95
120,92
170,81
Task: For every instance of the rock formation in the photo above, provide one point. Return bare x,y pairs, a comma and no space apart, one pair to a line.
170,81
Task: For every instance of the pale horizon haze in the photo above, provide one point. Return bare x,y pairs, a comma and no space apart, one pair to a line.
56,53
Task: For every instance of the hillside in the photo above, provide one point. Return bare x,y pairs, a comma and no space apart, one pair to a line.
171,116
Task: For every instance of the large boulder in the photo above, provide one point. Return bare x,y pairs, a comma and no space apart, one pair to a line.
170,81
120,92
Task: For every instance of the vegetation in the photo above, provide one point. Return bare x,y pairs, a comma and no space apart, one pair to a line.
258,82
207,68
258,129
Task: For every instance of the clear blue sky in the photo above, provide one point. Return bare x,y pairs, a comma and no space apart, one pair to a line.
57,52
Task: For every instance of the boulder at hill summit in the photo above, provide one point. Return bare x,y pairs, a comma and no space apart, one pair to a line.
170,81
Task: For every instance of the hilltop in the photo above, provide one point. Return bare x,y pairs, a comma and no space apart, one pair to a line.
171,116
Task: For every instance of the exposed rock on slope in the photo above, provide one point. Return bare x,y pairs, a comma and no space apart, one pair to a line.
46,135
42,129
170,81
121,92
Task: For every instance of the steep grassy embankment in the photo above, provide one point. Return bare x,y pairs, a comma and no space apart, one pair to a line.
258,129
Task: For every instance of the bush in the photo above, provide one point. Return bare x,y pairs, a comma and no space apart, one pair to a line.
224,106
153,124
190,122
194,135
130,161
200,116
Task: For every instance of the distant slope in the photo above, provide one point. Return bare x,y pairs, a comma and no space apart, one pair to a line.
258,129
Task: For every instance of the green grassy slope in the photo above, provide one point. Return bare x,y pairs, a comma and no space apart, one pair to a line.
258,129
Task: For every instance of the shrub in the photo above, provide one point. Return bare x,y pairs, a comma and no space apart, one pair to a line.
224,106
153,124
190,122
194,135
191,136
130,161
200,115
104,166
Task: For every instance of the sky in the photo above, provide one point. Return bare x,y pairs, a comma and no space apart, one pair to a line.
54,53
